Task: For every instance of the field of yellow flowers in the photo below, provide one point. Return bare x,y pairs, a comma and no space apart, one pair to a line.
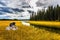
26,32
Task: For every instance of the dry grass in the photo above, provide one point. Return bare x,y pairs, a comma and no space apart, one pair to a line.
46,23
26,33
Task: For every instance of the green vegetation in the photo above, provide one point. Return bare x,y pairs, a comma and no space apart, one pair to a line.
51,14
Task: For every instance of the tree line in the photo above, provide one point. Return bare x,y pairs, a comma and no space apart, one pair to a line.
51,14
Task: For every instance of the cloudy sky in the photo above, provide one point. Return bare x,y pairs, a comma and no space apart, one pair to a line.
17,4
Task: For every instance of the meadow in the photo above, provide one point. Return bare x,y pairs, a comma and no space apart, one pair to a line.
26,32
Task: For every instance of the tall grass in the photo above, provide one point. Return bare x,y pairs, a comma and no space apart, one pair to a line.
26,33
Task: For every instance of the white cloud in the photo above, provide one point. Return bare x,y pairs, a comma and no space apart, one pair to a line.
16,4
43,3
